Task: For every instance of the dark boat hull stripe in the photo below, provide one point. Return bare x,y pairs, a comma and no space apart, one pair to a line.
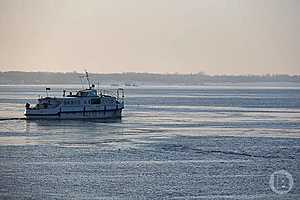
67,112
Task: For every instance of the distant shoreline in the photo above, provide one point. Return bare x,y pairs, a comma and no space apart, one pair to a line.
136,79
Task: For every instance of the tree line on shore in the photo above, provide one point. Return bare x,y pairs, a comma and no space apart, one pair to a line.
19,77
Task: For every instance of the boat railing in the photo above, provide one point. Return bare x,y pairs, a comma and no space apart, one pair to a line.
118,93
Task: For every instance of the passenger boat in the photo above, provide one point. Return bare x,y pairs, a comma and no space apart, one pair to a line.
88,103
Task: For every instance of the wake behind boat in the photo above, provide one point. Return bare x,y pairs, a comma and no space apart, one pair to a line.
85,104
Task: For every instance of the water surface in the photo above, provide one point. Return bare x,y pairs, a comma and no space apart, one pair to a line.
185,142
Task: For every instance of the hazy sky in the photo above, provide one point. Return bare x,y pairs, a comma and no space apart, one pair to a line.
213,36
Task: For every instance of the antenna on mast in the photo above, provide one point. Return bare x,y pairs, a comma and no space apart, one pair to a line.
87,78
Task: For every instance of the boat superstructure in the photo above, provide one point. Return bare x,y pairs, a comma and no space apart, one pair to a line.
87,103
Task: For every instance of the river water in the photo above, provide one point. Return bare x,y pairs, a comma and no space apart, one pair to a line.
179,142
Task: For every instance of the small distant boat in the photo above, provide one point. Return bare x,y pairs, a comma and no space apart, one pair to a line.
88,103
130,84
114,84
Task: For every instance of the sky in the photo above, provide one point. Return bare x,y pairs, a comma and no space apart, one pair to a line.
160,36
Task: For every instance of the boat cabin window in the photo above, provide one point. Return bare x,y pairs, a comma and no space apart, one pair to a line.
96,101
93,93
81,94
71,102
89,93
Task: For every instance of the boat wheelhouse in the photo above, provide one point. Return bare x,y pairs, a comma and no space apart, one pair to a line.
88,103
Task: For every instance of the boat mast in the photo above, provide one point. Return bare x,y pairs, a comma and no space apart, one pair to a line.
87,78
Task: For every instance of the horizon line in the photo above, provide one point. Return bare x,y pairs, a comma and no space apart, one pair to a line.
154,73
